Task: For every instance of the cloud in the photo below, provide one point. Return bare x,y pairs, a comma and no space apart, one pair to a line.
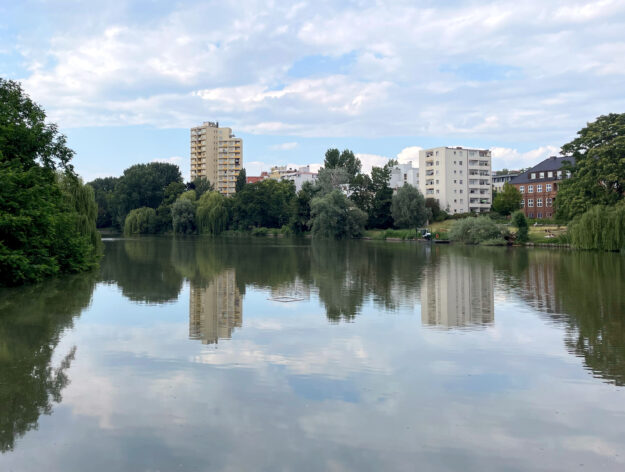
284,146
177,160
408,154
506,158
371,160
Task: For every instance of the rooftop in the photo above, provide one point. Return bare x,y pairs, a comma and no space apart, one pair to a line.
553,163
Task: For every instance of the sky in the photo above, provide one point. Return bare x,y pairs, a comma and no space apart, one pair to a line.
125,80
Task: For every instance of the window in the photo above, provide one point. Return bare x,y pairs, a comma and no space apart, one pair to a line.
530,189
461,172
539,202
438,191
455,191
549,202
540,215
559,174
436,180
455,201
461,182
522,188
455,181
461,200
550,174
530,202
460,190
454,171
533,175
523,203
548,188
437,162
454,162
542,175
460,163
539,189
436,172
531,215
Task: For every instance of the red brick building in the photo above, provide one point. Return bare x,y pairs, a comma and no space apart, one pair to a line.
254,179
539,186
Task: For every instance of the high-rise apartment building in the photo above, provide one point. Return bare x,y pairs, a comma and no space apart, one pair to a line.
459,178
217,155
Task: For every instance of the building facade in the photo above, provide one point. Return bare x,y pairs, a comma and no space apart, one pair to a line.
300,176
404,174
217,155
539,186
502,179
459,178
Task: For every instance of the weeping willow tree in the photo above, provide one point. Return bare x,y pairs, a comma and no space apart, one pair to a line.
601,227
212,213
140,221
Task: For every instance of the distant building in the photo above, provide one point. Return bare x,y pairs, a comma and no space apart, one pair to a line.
258,178
459,178
278,172
404,174
500,180
300,176
539,186
217,155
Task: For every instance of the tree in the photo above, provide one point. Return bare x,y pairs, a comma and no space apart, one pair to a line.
104,190
379,215
408,208
519,220
475,230
344,160
508,200
331,179
183,216
141,221
241,181
434,207
601,227
263,204
598,174
335,216
47,216
143,185
201,185
212,213
300,208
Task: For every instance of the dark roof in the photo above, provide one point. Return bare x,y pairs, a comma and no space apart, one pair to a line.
552,163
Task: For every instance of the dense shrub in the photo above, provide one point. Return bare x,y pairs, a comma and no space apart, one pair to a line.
336,217
141,221
183,216
519,220
475,230
601,227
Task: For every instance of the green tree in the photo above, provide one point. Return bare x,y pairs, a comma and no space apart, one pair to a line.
104,190
267,203
344,160
598,175
141,221
201,185
379,215
183,216
241,181
475,230
408,208
143,185
212,213
508,200
300,208
334,216
519,220
601,227
47,218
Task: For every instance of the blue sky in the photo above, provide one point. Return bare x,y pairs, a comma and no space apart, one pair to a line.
125,80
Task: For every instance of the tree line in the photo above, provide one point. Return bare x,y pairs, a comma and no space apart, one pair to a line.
152,198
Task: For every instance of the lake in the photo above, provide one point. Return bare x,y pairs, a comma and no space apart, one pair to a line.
196,354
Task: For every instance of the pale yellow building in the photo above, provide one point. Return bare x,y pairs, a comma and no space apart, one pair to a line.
215,309
217,155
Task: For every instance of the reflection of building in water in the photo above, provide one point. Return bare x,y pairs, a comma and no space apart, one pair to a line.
458,293
216,309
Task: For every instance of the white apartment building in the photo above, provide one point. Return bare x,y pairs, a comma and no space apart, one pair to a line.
404,174
459,178
301,175
217,155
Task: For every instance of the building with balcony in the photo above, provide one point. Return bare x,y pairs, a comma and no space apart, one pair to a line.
459,178
216,154
539,186
499,180
404,174
300,176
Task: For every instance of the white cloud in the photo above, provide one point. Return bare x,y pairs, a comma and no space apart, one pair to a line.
506,158
177,160
284,146
371,160
409,154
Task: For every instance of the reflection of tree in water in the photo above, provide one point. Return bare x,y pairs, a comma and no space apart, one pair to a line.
584,291
142,268
32,322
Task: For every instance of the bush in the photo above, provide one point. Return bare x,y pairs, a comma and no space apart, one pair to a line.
475,230
334,216
519,220
601,227
262,231
140,221
494,242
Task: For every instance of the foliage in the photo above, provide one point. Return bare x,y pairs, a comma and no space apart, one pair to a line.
598,175
475,230
183,216
434,206
141,221
494,242
241,181
201,185
329,179
143,185
408,208
212,214
47,219
519,220
300,208
104,190
345,160
601,227
266,203
379,212
335,216
508,200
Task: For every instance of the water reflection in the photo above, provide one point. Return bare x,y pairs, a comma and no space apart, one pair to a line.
458,291
215,309
32,321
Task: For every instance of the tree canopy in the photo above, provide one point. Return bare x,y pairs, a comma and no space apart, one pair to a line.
508,200
408,208
598,174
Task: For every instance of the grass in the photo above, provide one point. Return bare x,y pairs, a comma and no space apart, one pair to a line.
549,234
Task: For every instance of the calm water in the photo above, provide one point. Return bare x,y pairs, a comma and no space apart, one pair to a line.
265,354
